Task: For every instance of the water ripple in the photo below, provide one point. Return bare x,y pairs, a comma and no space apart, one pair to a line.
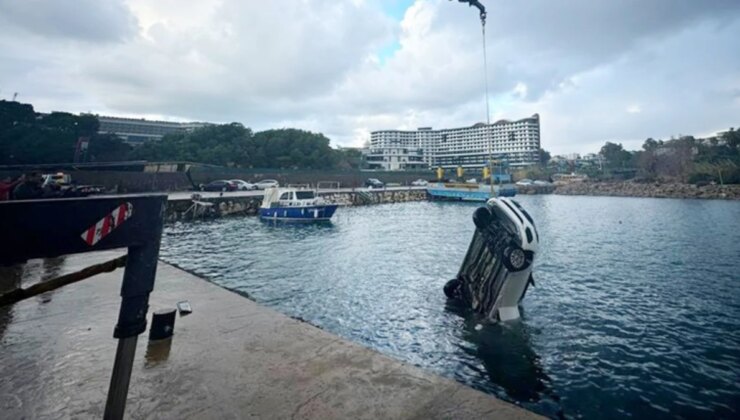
636,311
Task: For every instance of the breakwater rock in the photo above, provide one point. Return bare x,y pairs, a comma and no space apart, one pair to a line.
535,189
654,189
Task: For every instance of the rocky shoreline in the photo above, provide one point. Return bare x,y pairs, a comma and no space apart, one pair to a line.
653,189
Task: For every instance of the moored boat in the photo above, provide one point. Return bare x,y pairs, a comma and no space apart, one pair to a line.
467,192
296,205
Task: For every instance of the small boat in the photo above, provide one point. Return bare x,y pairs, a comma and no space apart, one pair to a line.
497,269
467,191
295,205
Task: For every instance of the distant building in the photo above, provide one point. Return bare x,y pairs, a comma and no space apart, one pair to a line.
516,142
137,131
395,159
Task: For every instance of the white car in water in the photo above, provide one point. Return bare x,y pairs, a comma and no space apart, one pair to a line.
497,269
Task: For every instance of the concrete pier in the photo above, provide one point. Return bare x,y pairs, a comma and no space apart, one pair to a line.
230,359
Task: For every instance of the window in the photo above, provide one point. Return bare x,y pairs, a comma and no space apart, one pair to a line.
304,195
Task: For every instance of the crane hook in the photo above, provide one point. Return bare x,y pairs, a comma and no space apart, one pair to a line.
480,7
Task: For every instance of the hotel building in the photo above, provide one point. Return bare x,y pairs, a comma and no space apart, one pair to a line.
516,142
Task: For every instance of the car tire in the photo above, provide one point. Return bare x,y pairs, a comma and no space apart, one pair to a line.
452,289
482,217
515,258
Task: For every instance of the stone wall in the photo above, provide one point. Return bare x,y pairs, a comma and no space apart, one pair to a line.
657,190
189,209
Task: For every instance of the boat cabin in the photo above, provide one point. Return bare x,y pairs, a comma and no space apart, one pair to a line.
289,197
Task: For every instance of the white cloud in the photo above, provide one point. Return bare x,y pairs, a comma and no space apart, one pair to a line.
593,70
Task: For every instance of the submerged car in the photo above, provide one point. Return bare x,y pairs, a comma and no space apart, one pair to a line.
497,269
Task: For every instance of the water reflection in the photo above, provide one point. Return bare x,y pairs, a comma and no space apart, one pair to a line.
10,279
50,268
157,351
508,357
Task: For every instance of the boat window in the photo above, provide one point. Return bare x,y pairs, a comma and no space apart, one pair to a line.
304,195
285,196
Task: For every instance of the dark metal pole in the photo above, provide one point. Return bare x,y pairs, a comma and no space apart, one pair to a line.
119,381
138,282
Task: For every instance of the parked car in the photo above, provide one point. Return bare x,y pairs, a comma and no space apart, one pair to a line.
242,185
374,183
267,183
220,185
419,182
61,185
524,181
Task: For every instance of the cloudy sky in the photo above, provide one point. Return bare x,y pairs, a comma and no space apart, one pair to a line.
619,70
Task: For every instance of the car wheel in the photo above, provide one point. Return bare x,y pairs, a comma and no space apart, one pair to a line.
482,217
452,289
515,258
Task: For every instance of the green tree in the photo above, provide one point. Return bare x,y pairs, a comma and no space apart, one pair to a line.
544,157
615,155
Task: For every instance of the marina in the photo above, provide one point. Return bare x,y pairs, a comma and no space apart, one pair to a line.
595,333
302,211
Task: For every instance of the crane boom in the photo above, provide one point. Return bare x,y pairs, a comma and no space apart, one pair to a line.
480,7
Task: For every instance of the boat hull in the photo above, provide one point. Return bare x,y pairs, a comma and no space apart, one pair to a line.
320,213
481,194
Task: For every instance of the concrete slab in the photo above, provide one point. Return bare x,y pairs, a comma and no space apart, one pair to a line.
229,359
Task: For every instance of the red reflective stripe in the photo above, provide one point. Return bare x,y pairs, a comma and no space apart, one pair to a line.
106,226
90,235
121,214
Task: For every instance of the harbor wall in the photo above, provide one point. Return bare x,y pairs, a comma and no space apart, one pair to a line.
212,207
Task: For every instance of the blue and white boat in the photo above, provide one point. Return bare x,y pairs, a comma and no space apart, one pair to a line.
295,205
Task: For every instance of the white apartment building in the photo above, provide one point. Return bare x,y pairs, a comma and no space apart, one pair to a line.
517,142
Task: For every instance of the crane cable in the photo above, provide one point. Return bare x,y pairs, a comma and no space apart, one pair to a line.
488,110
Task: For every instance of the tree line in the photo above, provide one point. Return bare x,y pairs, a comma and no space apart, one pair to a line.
27,137
684,159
